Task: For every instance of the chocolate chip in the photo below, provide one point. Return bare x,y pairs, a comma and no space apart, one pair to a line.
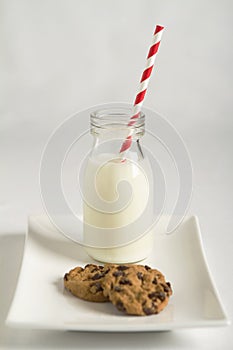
140,275
157,295
118,273
148,310
166,288
101,267
120,306
122,267
88,265
97,276
117,289
94,269
162,296
155,281
66,277
168,284
147,267
125,281
152,295
97,286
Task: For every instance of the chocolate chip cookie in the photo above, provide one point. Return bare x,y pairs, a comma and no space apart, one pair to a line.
136,289
86,283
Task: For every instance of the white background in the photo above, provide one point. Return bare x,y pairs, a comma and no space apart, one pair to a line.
58,57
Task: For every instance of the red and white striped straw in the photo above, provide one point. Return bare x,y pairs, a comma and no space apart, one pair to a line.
143,84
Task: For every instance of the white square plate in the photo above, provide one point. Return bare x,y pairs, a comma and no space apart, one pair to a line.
41,302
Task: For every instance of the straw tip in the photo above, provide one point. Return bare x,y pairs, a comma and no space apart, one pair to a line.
158,28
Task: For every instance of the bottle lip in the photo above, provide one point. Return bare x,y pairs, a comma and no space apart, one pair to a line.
116,118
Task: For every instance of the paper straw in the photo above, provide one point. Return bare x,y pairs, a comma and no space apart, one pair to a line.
143,85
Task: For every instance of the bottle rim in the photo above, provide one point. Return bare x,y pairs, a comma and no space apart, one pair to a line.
116,118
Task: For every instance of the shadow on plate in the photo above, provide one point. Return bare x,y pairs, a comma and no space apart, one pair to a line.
11,254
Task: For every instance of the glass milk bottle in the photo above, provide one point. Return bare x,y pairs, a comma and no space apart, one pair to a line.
117,190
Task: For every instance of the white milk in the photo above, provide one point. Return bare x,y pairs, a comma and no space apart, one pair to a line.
116,195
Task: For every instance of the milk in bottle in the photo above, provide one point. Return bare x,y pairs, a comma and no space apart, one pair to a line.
117,191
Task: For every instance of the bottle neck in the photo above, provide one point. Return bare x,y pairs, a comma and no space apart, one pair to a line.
114,123
110,128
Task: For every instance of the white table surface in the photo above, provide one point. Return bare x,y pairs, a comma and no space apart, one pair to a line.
49,71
